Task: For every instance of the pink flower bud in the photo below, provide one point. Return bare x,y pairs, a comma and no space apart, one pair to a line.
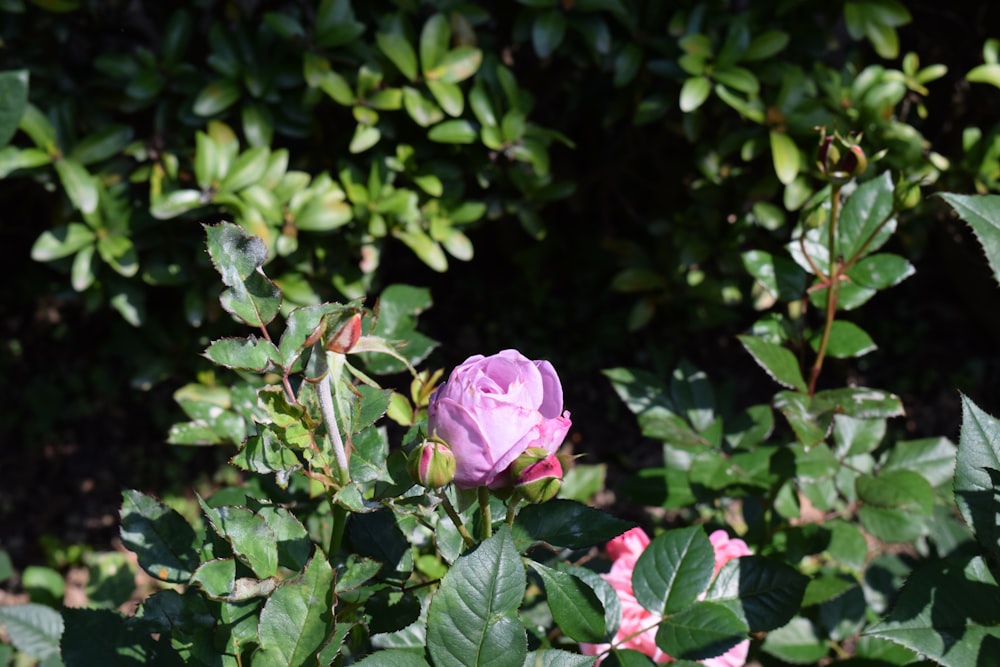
840,159
432,464
347,336
537,475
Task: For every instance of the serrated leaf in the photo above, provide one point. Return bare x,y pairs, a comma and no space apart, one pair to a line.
216,577
297,619
34,629
249,536
982,213
674,570
776,360
847,340
796,642
160,537
863,215
700,631
551,657
569,524
947,613
976,473
393,657
881,271
932,458
248,354
237,256
763,593
575,607
472,619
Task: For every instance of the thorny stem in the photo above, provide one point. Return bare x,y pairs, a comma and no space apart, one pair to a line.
336,445
457,520
832,290
484,512
512,504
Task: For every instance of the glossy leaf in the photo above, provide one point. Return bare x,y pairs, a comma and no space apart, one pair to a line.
674,570
551,657
847,340
32,628
574,605
763,593
568,524
797,642
931,458
948,613
251,539
456,65
102,144
703,630
982,213
694,92
398,49
881,271
863,217
455,131
780,276
61,241
297,619
248,354
79,184
472,619
785,156
216,97
977,474
776,360
160,538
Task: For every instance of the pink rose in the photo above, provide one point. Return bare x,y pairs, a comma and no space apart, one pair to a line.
493,408
625,550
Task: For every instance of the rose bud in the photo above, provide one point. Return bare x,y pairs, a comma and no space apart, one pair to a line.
840,160
537,475
432,464
347,336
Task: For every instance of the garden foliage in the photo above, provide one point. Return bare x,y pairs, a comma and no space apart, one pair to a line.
763,162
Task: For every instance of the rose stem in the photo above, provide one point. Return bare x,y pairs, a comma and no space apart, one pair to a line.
512,504
456,519
484,512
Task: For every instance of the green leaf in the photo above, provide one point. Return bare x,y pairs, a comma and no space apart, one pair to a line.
551,657
694,92
785,156
216,97
881,271
175,204
948,613
102,144
674,570
393,657
976,473
575,607
737,78
122,643
776,360
449,96
810,426
297,619
847,340
691,393
891,524
61,241
216,577
764,594
422,110
13,101
860,402
80,186
455,131
780,276
237,256
13,158
434,40
703,630
863,215
119,252
249,536
37,126
247,169
472,619
857,436
457,65
982,213
160,537
796,642
246,354
365,136
34,629
569,524
985,73
547,32
398,50
931,458
765,45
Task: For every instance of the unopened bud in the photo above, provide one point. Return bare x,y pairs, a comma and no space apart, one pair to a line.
347,336
432,464
839,159
537,475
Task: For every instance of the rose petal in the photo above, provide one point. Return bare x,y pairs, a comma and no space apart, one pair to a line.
552,399
453,424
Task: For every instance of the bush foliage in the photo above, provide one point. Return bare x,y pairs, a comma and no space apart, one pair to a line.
637,188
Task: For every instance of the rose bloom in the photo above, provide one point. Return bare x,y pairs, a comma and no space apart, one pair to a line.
493,408
625,550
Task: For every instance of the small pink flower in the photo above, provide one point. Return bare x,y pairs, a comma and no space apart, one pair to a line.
625,550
